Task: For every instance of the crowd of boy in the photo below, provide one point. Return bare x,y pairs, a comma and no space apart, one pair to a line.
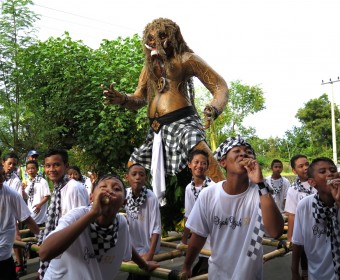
229,217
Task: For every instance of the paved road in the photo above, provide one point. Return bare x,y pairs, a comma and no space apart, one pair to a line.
275,269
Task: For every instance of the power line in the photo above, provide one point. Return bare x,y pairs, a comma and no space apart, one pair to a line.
88,18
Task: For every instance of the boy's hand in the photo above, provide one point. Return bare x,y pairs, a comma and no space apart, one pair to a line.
335,190
151,265
253,169
101,199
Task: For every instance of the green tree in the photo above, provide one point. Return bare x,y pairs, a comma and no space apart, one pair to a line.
17,32
244,100
63,79
316,126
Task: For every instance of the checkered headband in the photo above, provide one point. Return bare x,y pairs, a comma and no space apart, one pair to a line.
230,143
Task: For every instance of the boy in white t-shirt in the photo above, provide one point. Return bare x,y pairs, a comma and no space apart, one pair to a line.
278,183
91,242
235,213
198,163
144,216
299,190
12,209
67,193
316,227
37,193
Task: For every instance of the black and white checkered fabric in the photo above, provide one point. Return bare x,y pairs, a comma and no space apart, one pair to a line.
196,193
103,239
54,212
133,204
31,189
328,216
300,188
256,238
230,143
276,188
178,138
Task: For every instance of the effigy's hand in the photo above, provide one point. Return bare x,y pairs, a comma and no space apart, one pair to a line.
113,96
210,113
208,116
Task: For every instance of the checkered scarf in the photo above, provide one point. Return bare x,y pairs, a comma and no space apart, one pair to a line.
206,182
276,188
31,189
54,212
328,216
230,143
133,204
178,139
256,237
300,188
103,239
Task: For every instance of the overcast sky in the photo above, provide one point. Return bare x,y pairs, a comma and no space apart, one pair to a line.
287,47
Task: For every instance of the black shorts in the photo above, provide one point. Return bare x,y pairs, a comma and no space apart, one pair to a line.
7,268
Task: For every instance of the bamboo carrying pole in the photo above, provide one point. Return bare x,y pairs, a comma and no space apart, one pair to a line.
162,273
200,277
168,255
274,254
22,244
172,238
183,247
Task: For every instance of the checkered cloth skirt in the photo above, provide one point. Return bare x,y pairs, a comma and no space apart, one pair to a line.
179,138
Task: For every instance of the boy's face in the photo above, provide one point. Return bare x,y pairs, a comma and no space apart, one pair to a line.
10,165
116,190
300,169
322,172
31,170
198,165
231,162
55,168
73,174
136,177
277,168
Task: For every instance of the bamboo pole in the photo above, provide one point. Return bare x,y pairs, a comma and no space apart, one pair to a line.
162,273
172,238
183,247
29,239
270,242
168,255
274,254
23,231
199,277
22,244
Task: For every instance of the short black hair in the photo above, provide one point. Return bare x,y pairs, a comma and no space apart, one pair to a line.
135,164
195,152
108,176
10,155
61,152
76,168
275,161
295,158
310,170
33,162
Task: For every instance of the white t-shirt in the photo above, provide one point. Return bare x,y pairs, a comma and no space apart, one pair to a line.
41,190
143,225
280,197
73,195
12,209
294,196
15,183
78,261
312,236
230,220
189,204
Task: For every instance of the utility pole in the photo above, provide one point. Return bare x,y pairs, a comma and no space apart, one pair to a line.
335,159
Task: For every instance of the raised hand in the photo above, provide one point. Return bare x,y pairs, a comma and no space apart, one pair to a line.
113,96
